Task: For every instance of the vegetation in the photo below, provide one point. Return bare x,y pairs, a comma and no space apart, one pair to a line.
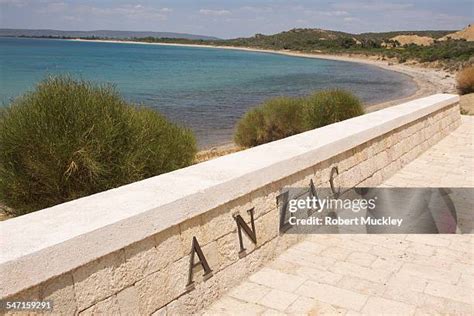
68,139
385,35
277,118
467,104
444,51
465,80
330,106
282,117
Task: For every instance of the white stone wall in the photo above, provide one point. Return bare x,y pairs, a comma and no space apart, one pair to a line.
150,275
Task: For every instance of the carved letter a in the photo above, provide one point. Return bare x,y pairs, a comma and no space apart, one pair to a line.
196,249
251,233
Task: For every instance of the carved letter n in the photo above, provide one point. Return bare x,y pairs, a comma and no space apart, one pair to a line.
251,233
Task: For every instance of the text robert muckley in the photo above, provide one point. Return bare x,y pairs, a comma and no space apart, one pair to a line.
329,221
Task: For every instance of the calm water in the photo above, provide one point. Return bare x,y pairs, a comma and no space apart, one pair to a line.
205,89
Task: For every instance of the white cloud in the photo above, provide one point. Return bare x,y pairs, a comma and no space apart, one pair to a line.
214,12
71,18
373,6
55,7
133,12
257,9
350,19
327,13
14,3
301,21
335,13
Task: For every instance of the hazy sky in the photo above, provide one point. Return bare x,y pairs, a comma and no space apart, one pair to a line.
234,18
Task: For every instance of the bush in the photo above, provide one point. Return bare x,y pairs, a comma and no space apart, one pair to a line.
465,80
249,129
282,117
69,139
277,118
330,106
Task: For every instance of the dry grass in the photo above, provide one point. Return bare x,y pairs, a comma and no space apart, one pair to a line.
465,80
215,152
413,39
466,33
4,212
467,104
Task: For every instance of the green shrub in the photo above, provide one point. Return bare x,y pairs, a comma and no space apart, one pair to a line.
282,117
277,118
330,106
249,128
465,80
68,139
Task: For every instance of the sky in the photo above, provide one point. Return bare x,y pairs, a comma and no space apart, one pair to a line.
236,18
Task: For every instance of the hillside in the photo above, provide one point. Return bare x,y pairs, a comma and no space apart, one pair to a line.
413,39
384,35
98,34
298,39
466,34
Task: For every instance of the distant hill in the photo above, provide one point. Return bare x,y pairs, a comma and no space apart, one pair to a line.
297,39
319,39
99,34
403,46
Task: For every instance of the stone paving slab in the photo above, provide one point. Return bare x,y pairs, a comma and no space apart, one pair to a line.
374,274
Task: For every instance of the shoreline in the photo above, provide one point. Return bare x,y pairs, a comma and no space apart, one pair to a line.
427,80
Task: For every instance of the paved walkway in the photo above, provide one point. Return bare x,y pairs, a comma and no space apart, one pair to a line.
450,163
376,274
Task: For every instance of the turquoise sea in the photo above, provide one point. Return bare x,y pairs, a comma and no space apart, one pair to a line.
205,89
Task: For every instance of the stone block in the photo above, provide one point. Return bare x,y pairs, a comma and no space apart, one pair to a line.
265,199
60,291
277,299
108,306
430,273
152,292
219,222
142,258
370,274
332,295
378,305
249,292
170,246
128,301
211,252
267,227
277,280
361,258
194,227
99,279
361,286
